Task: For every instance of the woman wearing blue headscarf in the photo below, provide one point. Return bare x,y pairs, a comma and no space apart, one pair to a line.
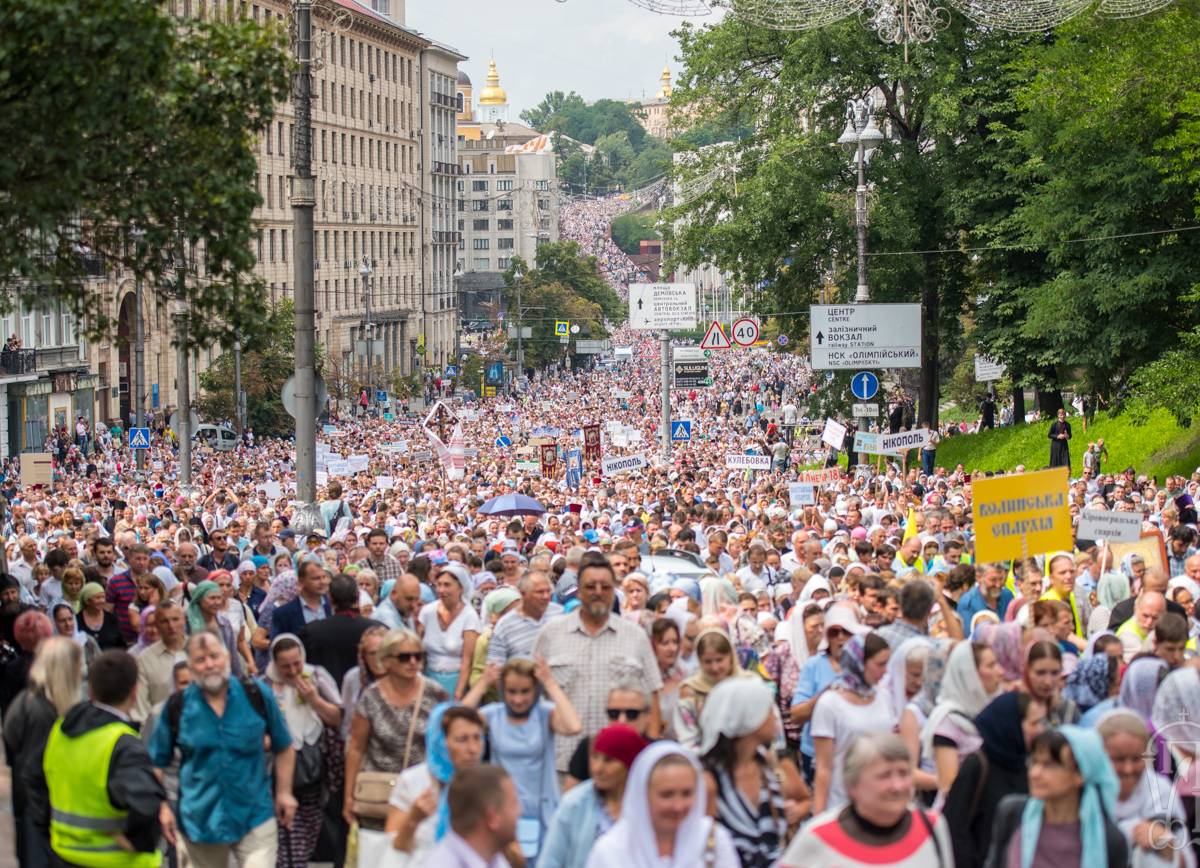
418,813
1065,821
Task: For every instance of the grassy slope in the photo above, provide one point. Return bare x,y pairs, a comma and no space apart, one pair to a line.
1158,447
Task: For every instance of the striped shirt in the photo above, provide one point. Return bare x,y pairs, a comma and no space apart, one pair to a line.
514,635
119,592
757,830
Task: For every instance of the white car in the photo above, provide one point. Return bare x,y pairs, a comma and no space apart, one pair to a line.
671,564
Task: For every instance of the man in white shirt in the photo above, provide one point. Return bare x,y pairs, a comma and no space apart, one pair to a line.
484,810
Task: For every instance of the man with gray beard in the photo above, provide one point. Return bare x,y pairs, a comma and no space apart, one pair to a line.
225,804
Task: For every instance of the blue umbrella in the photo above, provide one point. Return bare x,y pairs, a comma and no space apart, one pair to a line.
512,504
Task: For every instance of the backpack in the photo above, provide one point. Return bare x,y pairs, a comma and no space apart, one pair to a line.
174,709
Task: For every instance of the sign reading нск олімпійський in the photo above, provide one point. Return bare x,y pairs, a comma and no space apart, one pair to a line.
1020,515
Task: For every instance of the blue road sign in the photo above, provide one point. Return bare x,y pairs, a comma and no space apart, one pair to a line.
681,430
451,370
139,438
503,441
864,385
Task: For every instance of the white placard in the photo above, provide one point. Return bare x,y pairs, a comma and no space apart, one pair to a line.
988,370
662,305
802,493
358,463
834,433
534,467
622,464
853,337
687,354
748,462
273,490
385,483
1100,524
322,477
905,440
338,468
866,442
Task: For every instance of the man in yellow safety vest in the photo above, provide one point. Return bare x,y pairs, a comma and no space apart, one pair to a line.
107,807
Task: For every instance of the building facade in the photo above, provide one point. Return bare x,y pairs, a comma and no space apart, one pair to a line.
508,191
385,247
655,114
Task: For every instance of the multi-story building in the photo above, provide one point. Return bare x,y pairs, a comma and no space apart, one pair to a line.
508,192
655,114
385,161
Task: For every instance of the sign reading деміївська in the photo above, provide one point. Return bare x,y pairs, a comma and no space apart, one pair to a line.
1020,515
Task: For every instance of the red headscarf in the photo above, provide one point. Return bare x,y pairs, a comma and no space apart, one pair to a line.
620,742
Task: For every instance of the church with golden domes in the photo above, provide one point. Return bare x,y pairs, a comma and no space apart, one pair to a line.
654,114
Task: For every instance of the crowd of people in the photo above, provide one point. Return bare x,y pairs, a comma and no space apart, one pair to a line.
586,221
670,666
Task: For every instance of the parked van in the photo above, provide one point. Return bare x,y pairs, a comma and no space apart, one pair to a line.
218,437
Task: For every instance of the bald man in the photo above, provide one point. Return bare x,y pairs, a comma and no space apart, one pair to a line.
401,607
1136,632
1154,580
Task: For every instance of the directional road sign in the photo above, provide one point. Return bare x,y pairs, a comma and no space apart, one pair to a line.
850,337
681,430
864,385
715,338
745,331
662,305
139,438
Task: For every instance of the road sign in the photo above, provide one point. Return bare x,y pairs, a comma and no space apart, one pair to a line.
451,370
715,338
193,420
987,370
139,438
691,375
585,346
662,305
681,430
288,396
866,411
849,337
864,386
783,340
688,354
562,328
745,331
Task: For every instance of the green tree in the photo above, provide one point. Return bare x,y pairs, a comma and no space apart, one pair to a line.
616,150
268,359
115,115
629,230
554,107
562,262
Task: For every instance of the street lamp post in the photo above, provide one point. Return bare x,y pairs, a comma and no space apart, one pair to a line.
861,137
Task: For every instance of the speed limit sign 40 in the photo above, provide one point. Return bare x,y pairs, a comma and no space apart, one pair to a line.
745,331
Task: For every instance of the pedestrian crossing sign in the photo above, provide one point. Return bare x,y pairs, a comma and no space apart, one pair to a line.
139,438
562,327
681,431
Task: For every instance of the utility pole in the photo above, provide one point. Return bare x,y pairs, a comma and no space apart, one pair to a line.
139,369
239,409
665,349
520,331
308,514
183,375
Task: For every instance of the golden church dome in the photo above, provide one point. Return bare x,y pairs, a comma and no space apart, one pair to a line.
665,91
493,93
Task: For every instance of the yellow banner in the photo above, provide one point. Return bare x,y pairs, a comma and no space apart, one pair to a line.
1021,515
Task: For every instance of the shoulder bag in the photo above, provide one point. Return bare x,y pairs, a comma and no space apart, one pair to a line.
373,789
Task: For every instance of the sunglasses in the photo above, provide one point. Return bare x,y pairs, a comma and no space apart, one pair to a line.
408,656
630,714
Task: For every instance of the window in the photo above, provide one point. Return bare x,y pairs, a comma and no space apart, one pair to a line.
68,328
503,263
480,243
479,225
481,263
481,205
271,246
479,186
28,338
48,323
283,245
504,186
544,204
504,244
504,225
504,205
541,185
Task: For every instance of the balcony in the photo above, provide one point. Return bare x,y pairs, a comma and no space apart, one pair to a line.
13,362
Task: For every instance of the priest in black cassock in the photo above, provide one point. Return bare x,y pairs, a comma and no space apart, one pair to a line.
1060,440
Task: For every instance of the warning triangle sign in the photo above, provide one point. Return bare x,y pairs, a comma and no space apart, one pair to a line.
715,338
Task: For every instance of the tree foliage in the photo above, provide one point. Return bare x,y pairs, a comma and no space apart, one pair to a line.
268,359
629,230
1028,193
115,115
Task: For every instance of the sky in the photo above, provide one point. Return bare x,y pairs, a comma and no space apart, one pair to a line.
598,48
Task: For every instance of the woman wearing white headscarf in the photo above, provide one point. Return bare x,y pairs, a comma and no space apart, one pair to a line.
973,678
663,822
739,725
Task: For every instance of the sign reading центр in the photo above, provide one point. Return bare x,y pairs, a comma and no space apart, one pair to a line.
1021,515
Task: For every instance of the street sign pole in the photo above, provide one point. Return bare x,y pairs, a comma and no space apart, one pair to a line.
665,349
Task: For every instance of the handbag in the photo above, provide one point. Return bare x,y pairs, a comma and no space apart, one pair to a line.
373,789
310,768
